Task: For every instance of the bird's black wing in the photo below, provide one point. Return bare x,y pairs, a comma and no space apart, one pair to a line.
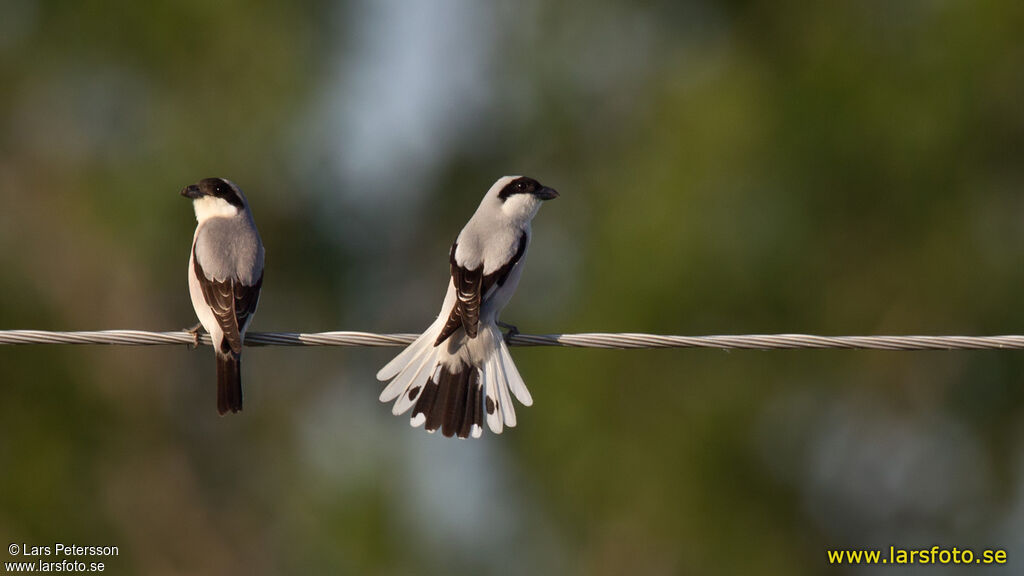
466,312
231,302
246,299
471,287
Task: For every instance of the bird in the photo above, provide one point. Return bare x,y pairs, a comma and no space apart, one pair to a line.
459,371
225,275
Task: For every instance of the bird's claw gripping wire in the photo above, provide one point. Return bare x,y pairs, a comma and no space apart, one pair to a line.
195,331
511,331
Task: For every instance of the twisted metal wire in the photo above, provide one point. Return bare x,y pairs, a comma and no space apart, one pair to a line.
592,340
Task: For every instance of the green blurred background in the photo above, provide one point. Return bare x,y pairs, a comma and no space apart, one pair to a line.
725,167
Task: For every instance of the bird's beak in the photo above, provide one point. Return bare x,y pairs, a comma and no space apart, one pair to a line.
546,193
192,192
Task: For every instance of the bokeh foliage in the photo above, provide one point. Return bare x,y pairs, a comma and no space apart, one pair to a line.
735,167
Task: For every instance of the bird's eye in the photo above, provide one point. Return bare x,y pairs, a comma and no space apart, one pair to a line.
521,185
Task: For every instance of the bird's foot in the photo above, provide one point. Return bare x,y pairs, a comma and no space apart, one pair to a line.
510,331
195,331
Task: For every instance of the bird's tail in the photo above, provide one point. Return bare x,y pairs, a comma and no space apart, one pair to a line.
229,383
457,385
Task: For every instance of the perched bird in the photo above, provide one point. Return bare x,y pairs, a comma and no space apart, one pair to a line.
225,273
460,369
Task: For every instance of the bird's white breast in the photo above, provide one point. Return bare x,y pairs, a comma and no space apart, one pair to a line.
212,207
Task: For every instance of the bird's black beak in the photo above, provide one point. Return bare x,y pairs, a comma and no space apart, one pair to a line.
546,193
192,192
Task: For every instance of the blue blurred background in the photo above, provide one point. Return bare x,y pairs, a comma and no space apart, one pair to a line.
843,167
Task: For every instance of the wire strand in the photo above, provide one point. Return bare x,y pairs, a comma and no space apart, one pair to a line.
622,341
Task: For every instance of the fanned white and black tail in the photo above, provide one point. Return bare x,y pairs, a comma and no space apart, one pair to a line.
457,385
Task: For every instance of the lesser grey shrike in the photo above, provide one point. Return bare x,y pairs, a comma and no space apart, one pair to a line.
225,273
459,371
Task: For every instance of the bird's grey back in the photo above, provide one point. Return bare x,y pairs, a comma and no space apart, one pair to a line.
230,248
